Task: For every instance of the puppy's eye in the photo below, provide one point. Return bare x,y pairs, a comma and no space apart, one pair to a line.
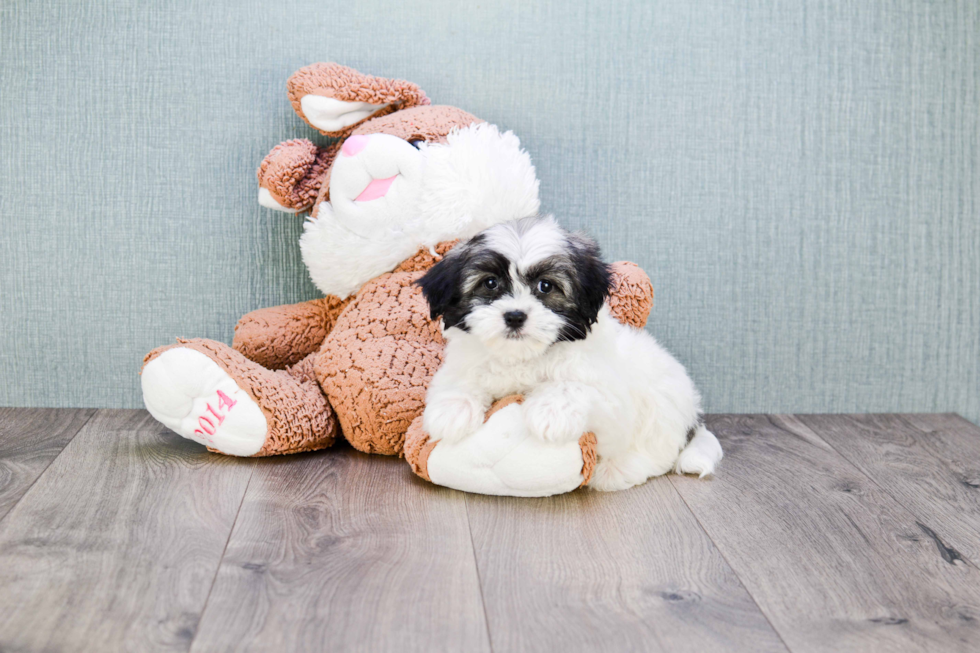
490,283
544,286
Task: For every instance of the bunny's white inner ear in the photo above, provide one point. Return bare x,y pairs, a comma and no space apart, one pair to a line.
268,201
330,114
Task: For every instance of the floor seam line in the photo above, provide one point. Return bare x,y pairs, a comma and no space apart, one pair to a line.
50,462
970,562
476,566
741,582
221,560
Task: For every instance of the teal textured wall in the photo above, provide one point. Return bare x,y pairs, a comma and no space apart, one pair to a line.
800,179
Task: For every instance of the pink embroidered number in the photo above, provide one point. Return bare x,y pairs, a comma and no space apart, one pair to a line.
208,427
225,401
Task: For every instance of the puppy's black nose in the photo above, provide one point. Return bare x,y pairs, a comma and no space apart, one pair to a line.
515,319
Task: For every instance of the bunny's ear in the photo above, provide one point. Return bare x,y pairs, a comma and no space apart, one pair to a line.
334,98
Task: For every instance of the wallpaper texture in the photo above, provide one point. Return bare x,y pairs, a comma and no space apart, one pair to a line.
800,179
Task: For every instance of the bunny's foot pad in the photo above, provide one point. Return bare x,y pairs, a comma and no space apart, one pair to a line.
502,458
193,396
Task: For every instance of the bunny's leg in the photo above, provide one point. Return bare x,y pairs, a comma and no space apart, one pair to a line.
208,392
502,457
280,336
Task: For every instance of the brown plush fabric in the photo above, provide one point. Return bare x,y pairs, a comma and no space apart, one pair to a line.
590,455
423,259
296,412
631,297
431,124
281,336
377,362
294,170
343,83
418,446
500,404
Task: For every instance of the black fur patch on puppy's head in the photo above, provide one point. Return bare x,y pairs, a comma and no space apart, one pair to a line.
591,283
524,266
443,285
440,285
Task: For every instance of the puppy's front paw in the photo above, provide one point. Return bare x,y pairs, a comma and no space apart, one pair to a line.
452,419
610,477
553,419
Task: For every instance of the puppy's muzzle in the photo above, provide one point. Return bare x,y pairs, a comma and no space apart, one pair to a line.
515,319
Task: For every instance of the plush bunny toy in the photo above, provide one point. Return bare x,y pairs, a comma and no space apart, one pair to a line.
402,182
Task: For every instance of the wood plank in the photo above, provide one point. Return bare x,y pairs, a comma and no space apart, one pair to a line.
339,550
835,563
30,438
116,546
929,463
591,571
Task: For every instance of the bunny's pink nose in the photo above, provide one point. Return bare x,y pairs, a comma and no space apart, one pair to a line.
354,144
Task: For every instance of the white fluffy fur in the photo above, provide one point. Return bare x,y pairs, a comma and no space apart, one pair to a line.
618,382
478,178
542,238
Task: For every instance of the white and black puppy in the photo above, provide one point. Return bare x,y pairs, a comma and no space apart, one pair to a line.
523,311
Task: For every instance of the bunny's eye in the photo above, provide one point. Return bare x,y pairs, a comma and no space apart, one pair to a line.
490,283
544,286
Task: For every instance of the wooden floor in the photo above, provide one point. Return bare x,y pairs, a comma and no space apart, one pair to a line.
819,533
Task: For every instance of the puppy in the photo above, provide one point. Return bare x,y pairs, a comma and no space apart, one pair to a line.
523,311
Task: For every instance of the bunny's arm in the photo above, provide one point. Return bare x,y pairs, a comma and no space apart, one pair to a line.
631,295
281,336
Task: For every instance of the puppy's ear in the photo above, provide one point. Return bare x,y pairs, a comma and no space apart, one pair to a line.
440,285
593,276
